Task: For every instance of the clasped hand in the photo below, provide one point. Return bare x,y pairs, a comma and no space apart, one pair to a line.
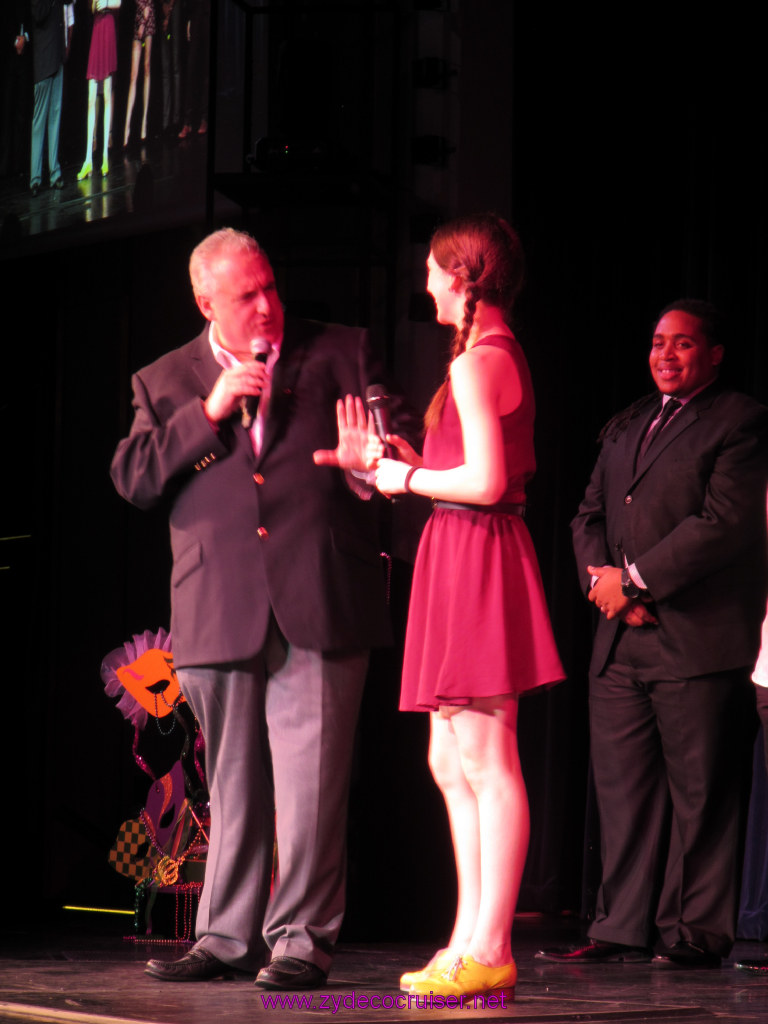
607,594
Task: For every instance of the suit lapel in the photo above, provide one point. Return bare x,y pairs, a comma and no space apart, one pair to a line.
204,364
668,435
634,435
284,377
685,419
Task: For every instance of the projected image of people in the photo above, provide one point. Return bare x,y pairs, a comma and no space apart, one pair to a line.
102,64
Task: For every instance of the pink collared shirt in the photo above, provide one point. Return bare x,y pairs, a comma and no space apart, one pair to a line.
226,361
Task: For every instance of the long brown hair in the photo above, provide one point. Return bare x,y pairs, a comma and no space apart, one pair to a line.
484,252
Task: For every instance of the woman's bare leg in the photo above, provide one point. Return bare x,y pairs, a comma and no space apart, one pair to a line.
135,55
486,736
147,59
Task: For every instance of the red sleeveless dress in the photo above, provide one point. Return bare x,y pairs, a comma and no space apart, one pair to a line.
478,624
102,55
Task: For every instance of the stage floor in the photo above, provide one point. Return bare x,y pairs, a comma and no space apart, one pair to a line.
158,183
84,971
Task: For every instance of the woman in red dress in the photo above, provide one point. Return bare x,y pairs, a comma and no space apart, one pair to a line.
102,64
478,628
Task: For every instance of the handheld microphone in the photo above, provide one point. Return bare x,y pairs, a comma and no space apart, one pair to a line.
249,404
377,400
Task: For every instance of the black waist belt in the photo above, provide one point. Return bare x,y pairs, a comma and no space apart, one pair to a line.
502,510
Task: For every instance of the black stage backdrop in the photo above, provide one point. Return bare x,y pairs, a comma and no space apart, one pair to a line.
629,149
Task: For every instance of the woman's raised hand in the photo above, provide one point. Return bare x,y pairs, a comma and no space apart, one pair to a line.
355,428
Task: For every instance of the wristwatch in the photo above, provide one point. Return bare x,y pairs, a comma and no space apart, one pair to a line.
628,586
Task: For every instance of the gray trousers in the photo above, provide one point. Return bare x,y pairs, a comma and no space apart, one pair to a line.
279,733
46,119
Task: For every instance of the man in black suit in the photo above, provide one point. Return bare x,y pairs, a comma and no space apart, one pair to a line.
277,596
670,544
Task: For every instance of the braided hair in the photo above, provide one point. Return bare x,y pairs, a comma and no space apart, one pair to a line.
484,252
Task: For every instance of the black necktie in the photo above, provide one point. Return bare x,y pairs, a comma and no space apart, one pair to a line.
670,408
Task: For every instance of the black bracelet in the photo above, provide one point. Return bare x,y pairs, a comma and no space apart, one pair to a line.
407,481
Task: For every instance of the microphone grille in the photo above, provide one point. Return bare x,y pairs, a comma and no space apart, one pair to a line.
260,347
375,394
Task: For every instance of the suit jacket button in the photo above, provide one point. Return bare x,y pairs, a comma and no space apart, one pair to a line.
258,478
628,500
262,532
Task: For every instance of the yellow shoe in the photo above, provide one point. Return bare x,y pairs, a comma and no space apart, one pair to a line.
85,171
466,977
442,958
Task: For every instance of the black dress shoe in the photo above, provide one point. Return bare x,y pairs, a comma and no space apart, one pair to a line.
684,955
289,973
595,952
753,966
196,965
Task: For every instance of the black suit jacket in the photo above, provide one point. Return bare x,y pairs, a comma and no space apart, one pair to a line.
47,37
248,533
691,516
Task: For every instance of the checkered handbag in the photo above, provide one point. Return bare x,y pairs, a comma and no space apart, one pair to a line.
129,855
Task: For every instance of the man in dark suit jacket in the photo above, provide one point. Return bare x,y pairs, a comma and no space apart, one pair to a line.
670,544
50,47
277,596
